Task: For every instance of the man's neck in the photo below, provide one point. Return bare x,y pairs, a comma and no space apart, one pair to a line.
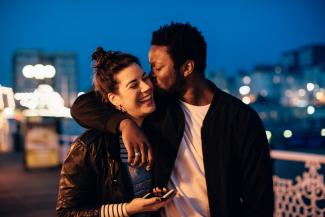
197,92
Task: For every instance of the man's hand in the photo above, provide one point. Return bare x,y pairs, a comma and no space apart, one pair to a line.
136,143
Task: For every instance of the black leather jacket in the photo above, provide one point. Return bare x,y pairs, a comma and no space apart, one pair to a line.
92,175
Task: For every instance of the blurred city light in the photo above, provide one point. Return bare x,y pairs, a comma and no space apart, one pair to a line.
302,92
243,90
278,69
9,112
310,110
274,114
290,80
81,93
300,103
246,100
276,79
6,97
28,71
43,101
287,133
310,86
246,80
264,93
322,132
320,96
39,71
268,135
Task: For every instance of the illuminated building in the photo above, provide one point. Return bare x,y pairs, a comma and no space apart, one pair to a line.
64,81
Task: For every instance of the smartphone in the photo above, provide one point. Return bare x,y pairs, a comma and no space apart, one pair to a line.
169,194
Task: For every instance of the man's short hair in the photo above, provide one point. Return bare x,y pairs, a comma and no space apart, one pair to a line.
184,42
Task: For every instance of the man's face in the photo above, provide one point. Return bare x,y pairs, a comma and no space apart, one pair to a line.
164,75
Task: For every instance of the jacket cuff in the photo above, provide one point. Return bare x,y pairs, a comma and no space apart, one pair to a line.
113,210
112,126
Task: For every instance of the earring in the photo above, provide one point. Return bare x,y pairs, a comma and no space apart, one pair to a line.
121,108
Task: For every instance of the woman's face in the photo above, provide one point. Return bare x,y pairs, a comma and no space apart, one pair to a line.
134,92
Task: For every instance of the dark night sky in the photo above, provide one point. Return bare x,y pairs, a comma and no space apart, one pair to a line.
239,34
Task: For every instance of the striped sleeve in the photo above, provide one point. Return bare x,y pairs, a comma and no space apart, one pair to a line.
113,210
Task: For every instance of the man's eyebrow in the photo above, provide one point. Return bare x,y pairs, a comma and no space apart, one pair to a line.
154,64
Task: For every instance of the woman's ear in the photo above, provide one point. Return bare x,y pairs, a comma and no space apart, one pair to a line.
187,68
114,99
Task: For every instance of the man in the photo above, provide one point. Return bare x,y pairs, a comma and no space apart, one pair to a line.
209,145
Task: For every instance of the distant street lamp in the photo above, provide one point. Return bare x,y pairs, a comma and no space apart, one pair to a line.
310,86
268,135
287,133
243,90
246,99
246,80
322,132
39,71
310,110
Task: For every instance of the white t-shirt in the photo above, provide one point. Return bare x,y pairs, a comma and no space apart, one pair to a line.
188,175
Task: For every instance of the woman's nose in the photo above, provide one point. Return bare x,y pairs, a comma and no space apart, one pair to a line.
146,86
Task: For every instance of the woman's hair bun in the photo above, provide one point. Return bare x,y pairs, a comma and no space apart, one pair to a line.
98,55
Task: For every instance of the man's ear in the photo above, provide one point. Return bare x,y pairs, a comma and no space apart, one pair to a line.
187,68
114,99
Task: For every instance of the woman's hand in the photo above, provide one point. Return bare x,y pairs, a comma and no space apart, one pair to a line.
139,205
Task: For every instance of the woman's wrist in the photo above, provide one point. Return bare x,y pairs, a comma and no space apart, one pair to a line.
128,209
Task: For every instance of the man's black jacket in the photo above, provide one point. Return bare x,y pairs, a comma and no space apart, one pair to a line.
236,156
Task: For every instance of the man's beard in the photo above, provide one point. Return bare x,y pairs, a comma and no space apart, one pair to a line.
176,89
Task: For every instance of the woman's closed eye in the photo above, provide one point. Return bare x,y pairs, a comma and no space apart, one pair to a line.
133,85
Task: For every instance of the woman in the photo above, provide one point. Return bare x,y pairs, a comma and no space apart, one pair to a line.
96,179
